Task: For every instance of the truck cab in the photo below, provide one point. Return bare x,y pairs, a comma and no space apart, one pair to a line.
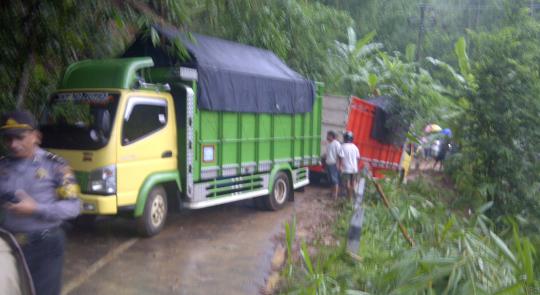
115,136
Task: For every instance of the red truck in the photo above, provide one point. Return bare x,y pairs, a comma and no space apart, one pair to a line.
360,118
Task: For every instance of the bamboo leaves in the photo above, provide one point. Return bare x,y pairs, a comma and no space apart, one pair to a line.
453,255
460,49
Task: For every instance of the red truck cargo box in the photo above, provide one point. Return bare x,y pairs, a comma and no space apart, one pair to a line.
379,156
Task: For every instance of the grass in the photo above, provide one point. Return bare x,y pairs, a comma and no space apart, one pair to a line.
457,250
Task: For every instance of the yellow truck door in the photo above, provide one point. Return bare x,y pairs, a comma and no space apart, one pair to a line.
147,142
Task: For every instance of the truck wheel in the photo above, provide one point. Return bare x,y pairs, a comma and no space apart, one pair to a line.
280,193
155,213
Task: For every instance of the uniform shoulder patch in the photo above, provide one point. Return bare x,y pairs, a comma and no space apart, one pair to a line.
55,158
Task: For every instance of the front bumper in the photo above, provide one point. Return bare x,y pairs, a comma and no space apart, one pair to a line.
99,204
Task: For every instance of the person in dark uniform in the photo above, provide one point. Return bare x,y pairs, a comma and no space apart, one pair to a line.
38,191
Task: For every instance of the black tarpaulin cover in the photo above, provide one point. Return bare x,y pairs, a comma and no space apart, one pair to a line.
234,77
387,127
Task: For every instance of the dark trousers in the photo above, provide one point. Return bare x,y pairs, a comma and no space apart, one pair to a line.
44,254
333,174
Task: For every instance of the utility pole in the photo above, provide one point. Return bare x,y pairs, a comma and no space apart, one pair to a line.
473,14
476,13
469,13
421,32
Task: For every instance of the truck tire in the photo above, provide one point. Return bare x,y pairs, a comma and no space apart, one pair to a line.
155,213
280,193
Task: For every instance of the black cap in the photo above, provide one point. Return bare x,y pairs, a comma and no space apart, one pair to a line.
16,122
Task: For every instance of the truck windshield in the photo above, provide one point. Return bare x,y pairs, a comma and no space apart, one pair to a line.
79,120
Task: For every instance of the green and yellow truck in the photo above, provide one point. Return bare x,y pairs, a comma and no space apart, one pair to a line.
152,130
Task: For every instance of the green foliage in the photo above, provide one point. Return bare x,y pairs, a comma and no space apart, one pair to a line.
398,22
455,253
365,69
420,95
290,235
352,64
72,114
43,37
410,52
460,49
391,19
40,38
498,132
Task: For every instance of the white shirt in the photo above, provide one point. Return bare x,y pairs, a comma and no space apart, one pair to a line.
333,151
350,156
9,275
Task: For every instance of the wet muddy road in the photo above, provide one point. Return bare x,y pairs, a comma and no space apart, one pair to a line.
220,250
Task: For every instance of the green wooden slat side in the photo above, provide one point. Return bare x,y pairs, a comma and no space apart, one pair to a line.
264,132
248,130
242,138
229,125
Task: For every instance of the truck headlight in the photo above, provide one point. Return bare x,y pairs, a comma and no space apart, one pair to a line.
103,180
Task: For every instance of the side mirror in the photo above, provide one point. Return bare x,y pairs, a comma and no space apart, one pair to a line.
102,125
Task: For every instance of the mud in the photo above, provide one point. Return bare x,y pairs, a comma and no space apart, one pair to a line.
227,249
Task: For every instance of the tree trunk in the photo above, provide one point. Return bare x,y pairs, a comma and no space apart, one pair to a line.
29,21
24,82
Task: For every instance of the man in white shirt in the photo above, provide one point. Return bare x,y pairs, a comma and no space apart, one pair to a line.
333,154
350,155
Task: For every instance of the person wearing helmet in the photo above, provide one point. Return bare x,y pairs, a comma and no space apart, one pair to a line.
350,155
